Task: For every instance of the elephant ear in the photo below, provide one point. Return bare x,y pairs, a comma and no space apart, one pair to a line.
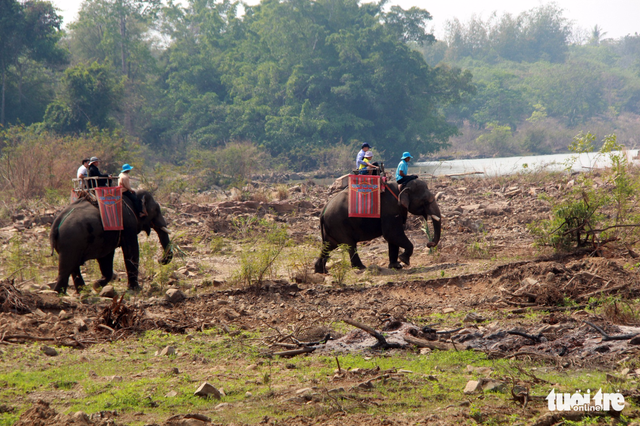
403,198
430,197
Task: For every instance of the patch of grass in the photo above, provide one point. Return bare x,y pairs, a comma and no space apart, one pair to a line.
236,364
617,310
282,192
341,268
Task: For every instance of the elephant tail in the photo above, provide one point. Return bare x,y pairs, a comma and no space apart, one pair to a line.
53,238
323,231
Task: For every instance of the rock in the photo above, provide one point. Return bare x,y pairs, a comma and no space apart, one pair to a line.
248,394
425,351
339,184
282,207
171,394
472,386
207,390
303,391
635,340
174,295
222,405
470,208
493,386
305,205
497,209
175,370
188,420
49,351
440,196
625,371
167,350
115,379
81,324
473,317
81,417
107,291
448,310
63,315
39,313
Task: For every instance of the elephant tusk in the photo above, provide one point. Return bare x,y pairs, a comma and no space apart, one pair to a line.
164,228
436,218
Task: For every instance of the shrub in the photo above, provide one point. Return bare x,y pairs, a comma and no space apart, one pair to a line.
33,163
282,192
341,268
592,212
259,261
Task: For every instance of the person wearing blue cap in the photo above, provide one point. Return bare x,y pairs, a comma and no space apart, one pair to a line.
360,158
402,171
125,182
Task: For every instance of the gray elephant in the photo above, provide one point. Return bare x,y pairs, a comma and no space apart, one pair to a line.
338,228
77,235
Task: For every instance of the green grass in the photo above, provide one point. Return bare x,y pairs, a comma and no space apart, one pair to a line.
82,380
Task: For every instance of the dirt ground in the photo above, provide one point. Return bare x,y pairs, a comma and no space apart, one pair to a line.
486,288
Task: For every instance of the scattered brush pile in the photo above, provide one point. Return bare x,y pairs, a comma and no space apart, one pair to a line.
13,300
551,283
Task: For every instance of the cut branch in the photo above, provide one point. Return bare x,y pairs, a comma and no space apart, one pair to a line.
606,337
382,342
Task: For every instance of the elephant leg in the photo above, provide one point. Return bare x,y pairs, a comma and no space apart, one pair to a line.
131,253
393,257
65,268
396,239
320,266
355,259
78,281
106,268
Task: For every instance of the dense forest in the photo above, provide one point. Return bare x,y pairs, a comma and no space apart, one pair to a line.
299,84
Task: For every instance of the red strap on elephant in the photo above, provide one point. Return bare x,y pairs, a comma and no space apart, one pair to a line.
392,193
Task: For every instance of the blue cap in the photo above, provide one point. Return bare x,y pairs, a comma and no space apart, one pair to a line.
126,167
405,155
366,145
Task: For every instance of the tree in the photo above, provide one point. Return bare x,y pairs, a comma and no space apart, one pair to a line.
118,32
92,94
297,74
11,18
29,33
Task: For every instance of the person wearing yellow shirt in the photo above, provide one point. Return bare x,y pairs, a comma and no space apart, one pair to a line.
367,167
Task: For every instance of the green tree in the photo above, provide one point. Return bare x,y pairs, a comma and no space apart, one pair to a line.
91,96
11,17
297,74
119,32
29,33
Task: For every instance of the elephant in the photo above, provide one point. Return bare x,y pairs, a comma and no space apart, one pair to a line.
338,228
77,235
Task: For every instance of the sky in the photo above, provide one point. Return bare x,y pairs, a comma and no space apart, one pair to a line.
616,17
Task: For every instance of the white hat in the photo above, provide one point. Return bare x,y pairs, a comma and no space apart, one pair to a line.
368,154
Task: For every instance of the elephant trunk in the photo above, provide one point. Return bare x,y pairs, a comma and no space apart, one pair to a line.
165,241
436,218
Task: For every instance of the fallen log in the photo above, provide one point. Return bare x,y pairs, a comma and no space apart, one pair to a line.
602,291
536,339
547,308
303,350
382,342
422,343
607,338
